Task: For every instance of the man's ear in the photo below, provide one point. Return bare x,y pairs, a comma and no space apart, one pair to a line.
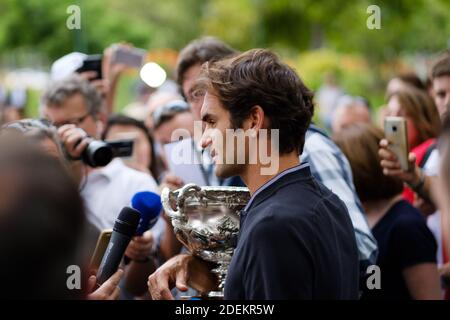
257,118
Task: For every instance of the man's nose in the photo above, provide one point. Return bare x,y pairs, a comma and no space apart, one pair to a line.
206,140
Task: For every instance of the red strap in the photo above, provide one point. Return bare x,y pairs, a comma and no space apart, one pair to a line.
421,150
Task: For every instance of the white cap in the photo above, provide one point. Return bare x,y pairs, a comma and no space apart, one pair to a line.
67,65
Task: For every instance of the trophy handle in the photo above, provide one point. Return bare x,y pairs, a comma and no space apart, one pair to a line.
165,199
186,191
182,194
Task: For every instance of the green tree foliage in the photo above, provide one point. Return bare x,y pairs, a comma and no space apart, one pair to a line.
314,35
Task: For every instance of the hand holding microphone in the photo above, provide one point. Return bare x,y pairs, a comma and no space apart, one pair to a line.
124,229
140,247
149,205
131,222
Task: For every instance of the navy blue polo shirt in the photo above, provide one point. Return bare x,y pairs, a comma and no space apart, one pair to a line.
296,241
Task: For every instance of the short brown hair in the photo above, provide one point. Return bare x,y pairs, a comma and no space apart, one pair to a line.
441,66
412,79
359,143
258,77
200,51
420,107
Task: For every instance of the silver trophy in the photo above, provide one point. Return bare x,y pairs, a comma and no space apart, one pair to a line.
206,221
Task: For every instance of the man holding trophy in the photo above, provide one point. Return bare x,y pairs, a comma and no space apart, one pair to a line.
296,239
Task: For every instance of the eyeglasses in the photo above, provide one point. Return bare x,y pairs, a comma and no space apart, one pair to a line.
74,121
167,111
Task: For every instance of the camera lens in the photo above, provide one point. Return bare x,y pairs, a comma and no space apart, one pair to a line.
97,154
394,128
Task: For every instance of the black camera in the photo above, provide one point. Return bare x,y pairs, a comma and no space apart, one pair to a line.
100,153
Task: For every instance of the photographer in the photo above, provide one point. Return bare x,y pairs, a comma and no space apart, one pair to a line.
76,108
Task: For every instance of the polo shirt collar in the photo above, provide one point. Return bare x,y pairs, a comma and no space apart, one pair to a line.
273,180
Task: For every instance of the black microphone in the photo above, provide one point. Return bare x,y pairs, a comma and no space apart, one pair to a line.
124,229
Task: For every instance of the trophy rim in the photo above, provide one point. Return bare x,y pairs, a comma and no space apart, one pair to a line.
217,188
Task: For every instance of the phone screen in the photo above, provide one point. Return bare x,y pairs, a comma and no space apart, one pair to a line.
132,57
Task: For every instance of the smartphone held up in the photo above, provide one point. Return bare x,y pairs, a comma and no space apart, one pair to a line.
395,131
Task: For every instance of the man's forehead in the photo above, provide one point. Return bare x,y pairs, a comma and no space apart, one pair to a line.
443,81
209,103
190,77
73,104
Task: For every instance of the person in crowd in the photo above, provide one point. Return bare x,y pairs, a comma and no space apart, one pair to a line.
407,248
328,164
189,63
169,117
420,112
327,97
403,80
144,158
75,107
38,190
44,135
423,125
255,91
41,132
440,78
444,200
14,104
398,82
156,100
111,70
190,60
350,110
423,181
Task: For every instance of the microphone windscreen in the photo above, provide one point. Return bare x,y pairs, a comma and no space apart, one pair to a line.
149,205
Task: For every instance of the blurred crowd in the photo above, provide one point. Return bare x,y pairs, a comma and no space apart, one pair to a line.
54,203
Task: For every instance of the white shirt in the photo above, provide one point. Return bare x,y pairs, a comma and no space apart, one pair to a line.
107,190
431,167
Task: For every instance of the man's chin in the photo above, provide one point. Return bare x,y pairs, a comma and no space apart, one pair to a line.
225,171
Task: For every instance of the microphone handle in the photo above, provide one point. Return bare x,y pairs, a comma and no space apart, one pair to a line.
112,257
